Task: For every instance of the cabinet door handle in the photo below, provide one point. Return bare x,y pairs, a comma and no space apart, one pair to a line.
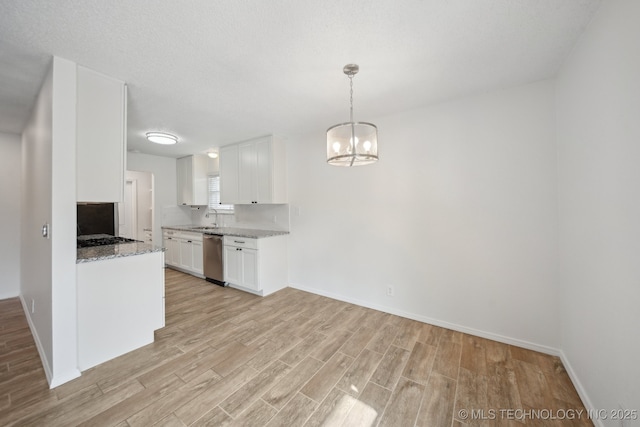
189,241
239,241
238,249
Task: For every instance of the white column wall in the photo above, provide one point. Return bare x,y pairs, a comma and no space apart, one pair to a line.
48,270
63,223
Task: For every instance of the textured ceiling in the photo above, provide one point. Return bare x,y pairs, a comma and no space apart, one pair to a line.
215,72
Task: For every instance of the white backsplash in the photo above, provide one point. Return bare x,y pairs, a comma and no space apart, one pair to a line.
263,217
176,215
260,217
223,219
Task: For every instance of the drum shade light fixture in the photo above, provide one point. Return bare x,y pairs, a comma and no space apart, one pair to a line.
162,138
352,143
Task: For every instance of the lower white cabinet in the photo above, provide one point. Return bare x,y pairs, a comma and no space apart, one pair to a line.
197,256
172,254
184,251
256,265
171,247
186,254
241,267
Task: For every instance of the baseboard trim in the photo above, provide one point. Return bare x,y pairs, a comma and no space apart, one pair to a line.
579,388
460,328
43,359
54,381
62,379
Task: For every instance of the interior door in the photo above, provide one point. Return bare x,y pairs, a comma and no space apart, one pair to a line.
127,211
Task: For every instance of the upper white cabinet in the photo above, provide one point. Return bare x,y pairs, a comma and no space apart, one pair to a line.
229,174
253,172
101,137
192,180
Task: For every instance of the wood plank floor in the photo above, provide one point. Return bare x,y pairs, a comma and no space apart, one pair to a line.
291,359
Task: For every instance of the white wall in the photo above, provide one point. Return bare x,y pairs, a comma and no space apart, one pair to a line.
10,172
36,280
599,213
459,216
164,186
48,271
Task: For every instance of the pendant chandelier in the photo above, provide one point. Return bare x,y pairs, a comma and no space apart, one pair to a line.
352,143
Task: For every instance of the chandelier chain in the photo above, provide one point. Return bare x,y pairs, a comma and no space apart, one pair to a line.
351,97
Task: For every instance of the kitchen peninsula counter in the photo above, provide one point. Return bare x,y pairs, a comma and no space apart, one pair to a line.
99,253
120,292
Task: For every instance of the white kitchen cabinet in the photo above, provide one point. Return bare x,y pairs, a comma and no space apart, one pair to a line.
197,257
191,176
186,254
173,252
229,175
253,172
250,269
101,137
247,165
256,265
232,264
241,267
184,171
266,175
193,253
172,248
184,251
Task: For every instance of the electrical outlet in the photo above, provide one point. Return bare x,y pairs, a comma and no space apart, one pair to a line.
390,291
33,306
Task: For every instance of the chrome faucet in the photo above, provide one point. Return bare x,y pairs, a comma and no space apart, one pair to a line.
215,221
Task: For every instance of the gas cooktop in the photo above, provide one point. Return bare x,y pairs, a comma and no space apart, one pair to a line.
102,241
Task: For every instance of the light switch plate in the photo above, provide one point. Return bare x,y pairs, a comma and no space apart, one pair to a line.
45,231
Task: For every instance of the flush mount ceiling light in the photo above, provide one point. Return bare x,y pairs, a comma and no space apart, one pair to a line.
352,143
162,138
212,154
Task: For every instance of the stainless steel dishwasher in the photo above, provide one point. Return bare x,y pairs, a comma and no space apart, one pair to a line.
213,264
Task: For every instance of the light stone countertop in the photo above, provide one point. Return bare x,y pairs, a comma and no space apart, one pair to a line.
98,253
248,233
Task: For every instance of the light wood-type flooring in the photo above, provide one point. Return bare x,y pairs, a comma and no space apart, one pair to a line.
290,359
